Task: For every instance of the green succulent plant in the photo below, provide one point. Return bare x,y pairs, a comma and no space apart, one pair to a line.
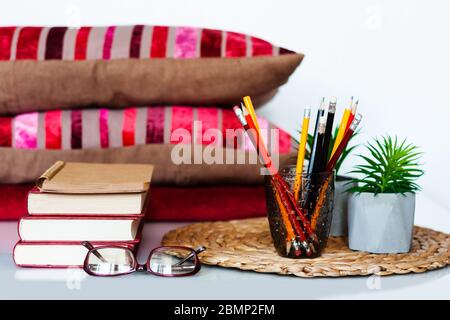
393,167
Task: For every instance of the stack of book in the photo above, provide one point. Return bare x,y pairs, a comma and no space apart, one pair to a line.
75,202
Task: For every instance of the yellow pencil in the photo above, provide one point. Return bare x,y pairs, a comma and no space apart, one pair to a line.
249,105
342,127
301,152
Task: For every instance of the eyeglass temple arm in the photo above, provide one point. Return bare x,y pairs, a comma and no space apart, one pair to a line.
91,248
189,256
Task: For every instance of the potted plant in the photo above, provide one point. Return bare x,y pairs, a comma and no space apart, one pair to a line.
381,205
339,224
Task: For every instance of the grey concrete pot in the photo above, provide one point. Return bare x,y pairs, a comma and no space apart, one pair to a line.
382,223
339,223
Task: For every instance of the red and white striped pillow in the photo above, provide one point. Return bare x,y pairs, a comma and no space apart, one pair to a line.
31,142
139,41
105,128
45,68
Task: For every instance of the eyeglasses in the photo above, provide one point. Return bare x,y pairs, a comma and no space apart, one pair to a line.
170,261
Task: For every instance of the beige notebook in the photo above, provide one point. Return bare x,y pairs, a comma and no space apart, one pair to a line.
77,177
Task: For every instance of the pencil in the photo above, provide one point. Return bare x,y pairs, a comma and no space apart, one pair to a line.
330,167
290,235
318,145
311,193
345,139
301,151
284,193
342,127
312,154
249,105
258,143
352,114
328,132
289,202
240,115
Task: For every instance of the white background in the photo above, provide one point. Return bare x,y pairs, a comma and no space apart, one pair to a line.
392,55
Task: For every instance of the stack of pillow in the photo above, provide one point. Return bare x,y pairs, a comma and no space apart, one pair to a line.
123,94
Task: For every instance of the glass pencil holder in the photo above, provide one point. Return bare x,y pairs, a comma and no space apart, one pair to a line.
295,236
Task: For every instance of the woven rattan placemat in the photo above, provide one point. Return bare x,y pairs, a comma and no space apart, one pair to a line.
247,244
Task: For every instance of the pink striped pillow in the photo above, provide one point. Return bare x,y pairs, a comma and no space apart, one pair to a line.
105,128
31,142
43,68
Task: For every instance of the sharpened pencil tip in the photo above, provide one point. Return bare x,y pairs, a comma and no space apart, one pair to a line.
322,104
307,112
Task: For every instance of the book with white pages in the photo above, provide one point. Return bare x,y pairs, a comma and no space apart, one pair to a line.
42,203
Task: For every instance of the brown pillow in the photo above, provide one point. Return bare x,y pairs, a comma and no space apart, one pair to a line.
22,165
61,68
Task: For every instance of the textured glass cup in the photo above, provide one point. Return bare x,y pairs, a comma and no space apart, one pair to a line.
316,199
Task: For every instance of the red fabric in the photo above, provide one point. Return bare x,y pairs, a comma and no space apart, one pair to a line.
236,45
6,35
27,45
13,201
229,121
136,38
129,125
5,132
55,43
261,47
168,203
182,119
159,42
53,134
211,43
81,43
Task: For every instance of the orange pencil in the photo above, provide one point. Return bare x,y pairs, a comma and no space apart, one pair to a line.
290,235
258,143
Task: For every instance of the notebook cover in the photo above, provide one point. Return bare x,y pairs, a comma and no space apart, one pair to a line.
133,245
77,177
137,215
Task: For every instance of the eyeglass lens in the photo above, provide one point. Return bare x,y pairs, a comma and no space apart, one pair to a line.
110,261
167,261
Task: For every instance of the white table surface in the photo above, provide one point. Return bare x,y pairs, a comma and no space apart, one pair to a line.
216,282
